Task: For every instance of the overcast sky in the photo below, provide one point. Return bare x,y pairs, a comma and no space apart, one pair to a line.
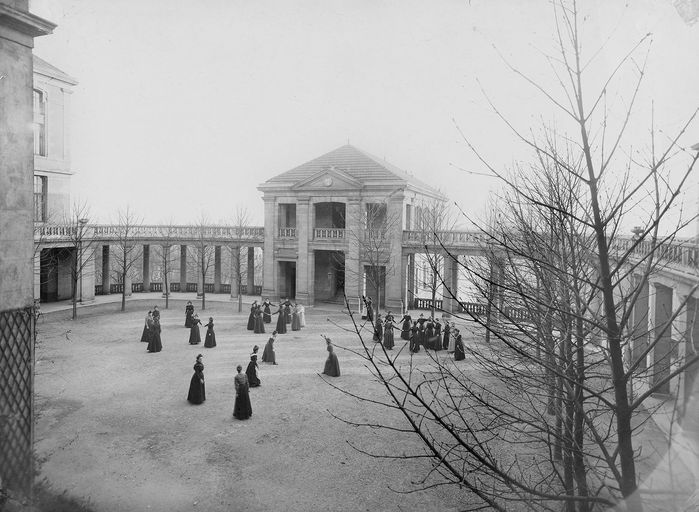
183,107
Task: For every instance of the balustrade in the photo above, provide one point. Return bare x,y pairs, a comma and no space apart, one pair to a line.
287,232
328,233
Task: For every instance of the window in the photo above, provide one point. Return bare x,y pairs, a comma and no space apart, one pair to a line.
39,123
40,198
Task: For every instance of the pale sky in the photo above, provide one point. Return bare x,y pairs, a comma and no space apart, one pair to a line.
183,107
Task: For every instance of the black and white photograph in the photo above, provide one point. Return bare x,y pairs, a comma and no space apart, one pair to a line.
486,213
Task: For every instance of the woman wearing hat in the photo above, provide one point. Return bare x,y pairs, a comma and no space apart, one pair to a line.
251,372
194,334
197,391
210,340
188,314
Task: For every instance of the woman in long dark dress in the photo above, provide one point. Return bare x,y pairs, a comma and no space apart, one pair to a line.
210,340
332,365
188,314
259,322
155,344
406,322
281,320
287,311
445,342
378,329
194,334
267,312
251,372
197,391
268,355
251,318
415,337
388,333
295,319
242,409
145,337
459,353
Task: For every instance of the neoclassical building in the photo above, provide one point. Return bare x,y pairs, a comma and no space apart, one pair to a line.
336,223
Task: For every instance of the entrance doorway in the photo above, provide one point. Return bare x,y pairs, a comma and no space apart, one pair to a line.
329,283
55,274
287,279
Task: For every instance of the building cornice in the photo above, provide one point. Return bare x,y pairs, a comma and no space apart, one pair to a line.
23,23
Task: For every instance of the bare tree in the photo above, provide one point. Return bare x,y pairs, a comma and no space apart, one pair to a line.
205,255
241,221
542,417
167,234
80,241
434,218
128,251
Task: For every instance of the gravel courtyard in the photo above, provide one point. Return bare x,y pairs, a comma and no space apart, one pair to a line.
114,427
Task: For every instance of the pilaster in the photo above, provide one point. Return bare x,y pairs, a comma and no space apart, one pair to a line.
217,269
87,275
269,278
183,268
146,267
353,268
395,237
304,286
251,270
106,271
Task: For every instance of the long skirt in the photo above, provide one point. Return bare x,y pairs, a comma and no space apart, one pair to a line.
194,335
378,333
459,353
267,315
210,340
268,355
197,390
445,343
415,343
302,318
452,344
281,324
188,320
251,322
155,344
287,316
295,322
251,372
405,331
259,325
146,335
332,366
388,339
242,409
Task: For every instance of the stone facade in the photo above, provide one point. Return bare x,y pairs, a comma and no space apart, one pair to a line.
17,31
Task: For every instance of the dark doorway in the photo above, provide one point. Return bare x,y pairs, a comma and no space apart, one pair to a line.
329,283
287,279
55,280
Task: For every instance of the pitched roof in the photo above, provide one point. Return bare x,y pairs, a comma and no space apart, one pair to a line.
357,163
44,68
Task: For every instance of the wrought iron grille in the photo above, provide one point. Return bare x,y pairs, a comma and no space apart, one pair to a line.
16,402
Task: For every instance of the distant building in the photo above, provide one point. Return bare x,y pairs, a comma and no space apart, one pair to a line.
51,97
52,165
335,224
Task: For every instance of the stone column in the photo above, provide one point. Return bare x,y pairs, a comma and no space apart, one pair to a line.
411,281
87,276
681,335
183,268
394,213
639,339
404,264
353,264
269,278
660,355
451,280
37,274
217,269
106,271
304,286
235,269
146,267
251,270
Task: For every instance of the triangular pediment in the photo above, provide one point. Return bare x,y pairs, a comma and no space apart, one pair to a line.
330,178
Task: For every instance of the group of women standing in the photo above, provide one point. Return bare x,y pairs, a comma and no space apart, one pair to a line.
422,332
193,322
261,314
152,330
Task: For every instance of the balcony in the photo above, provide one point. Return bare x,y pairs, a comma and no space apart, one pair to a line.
287,232
328,233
